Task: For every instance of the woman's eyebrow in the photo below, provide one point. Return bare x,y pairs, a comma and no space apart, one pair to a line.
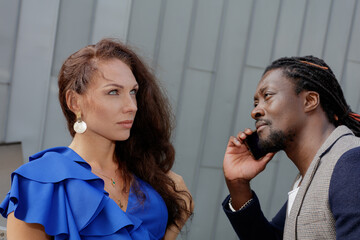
114,85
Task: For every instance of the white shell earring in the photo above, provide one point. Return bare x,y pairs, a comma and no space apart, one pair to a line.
79,126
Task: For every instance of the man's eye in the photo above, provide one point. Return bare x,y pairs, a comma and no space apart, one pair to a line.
267,95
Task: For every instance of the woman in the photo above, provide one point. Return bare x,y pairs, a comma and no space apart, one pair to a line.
114,180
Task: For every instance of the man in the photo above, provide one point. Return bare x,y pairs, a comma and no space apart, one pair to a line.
299,108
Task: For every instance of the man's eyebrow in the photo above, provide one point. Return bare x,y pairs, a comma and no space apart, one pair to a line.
261,91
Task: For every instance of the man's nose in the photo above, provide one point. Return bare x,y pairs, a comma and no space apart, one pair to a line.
257,112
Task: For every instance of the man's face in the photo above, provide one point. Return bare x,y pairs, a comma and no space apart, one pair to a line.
278,111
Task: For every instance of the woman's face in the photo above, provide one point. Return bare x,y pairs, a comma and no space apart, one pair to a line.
109,104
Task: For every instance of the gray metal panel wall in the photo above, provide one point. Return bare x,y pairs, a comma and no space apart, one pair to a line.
9,11
208,54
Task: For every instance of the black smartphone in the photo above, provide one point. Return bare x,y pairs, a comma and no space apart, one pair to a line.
252,143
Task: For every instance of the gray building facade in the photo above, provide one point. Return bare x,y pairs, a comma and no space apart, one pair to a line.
208,54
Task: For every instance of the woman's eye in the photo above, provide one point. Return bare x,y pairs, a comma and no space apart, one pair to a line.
113,92
133,92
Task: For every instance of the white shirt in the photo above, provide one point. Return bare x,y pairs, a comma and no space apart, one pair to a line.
292,194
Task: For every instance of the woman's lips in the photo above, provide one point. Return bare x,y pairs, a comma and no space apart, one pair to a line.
126,123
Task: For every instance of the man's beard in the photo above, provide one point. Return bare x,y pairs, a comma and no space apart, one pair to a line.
276,141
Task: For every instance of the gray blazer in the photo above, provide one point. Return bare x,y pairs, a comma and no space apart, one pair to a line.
310,216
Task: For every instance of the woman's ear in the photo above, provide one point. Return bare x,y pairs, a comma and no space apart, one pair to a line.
73,101
312,100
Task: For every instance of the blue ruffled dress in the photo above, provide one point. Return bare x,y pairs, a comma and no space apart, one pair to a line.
58,190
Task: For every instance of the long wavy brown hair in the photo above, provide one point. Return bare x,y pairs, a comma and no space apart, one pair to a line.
148,153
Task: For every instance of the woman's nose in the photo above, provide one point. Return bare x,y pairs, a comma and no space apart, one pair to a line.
130,104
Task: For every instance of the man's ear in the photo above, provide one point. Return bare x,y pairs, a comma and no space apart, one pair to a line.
73,101
312,100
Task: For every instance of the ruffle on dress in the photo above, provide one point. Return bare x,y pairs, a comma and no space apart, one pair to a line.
58,190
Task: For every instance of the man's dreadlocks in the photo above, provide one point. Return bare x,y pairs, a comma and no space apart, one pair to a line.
313,74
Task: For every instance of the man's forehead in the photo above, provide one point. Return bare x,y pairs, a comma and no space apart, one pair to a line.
274,79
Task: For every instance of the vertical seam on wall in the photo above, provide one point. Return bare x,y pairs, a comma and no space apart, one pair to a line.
12,70
343,71
276,31
276,169
209,102
51,74
129,23
303,27
158,38
327,28
46,103
92,22
55,42
186,62
242,69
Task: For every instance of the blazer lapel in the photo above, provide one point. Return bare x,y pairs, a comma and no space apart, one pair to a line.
290,223
291,220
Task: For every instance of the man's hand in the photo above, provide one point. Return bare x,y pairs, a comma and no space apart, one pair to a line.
240,167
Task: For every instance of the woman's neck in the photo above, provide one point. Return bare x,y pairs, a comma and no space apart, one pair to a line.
95,150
